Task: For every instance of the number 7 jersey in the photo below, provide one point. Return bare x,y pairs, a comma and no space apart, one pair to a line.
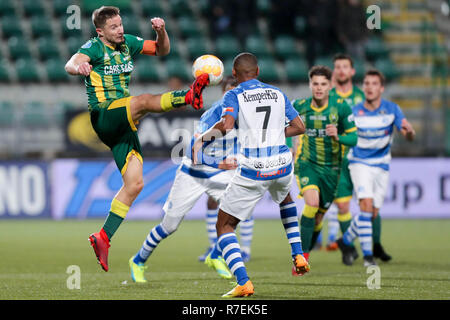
261,112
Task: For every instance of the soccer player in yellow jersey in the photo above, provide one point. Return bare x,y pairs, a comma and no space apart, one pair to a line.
106,62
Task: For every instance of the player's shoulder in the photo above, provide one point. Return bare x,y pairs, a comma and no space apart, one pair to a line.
336,100
130,37
358,109
91,43
301,102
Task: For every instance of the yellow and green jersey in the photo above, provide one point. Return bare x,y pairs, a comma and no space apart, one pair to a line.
353,97
111,68
315,146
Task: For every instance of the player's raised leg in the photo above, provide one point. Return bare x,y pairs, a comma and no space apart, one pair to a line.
145,103
132,186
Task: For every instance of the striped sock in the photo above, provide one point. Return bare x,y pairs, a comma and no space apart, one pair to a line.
151,242
333,226
231,252
246,234
211,219
352,232
215,252
365,232
289,218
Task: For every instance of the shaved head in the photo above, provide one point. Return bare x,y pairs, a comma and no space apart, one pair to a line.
246,65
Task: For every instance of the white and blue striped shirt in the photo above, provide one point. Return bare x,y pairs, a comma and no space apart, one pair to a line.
375,133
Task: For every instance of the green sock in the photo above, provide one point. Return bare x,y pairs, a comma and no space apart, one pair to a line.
306,231
111,224
314,237
116,215
376,229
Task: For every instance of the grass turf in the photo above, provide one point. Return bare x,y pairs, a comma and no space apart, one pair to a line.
35,256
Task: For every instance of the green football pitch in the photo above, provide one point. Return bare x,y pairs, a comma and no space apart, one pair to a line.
35,256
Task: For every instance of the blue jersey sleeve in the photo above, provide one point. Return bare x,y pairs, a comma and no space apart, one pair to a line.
291,113
399,116
230,105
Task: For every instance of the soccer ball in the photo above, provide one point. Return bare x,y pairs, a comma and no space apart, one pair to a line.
211,65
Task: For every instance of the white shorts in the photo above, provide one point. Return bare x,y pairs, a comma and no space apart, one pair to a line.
369,182
242,194
186,190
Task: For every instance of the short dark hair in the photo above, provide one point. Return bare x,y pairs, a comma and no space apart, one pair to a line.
375,72
320,71
246,63
100,15
343,56
229,81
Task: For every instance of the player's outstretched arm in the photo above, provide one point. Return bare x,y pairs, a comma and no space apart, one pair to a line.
162,38
296,127
407,130
78,65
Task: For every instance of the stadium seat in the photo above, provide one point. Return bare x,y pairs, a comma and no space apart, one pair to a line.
296,70
177,67
227,47
60,7
180,8
26,70
152,9
227,66
35,114
55,70
359,67
131,25
188,26
88,6
6,8
324,61
300,26
147,71
74,43
258,46
18,48
41,26
285,47
267,70
47,48
196,47
7,114
388,68
33,8
375,48
4,75
263,6
11,26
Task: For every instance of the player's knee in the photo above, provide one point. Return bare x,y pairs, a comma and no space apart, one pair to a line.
366,205
170,224
343,207
135,187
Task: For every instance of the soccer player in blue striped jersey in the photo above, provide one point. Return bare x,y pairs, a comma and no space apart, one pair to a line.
369,161
211,176
259,111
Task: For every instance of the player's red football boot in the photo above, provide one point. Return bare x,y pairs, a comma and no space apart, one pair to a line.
194,96
100,243
294,268
301,265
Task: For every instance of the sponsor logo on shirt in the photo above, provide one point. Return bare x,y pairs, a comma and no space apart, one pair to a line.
118,68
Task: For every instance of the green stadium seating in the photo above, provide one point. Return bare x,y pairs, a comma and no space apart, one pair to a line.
33,7
188,27
11,26
180,8
375,48
152,9
324,61
296,70
196,47
18,48
55,70
41,26
6,8
388,68
60,7
359,67
263,6
285,47
74,43
131,25
258,46
228,66
267,71
147,71
47,48
300,26
26,70
7,114
4,75
177,67
227,47
88,6
35,114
